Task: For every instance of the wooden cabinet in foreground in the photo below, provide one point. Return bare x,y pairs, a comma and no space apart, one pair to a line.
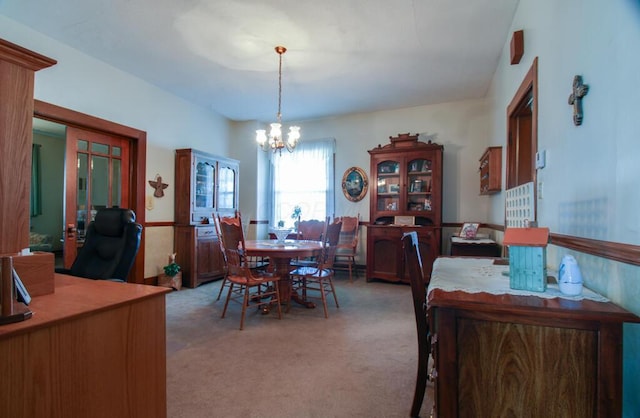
491,171
93,348
206,184
504,354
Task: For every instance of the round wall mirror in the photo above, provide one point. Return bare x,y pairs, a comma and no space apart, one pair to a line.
355,184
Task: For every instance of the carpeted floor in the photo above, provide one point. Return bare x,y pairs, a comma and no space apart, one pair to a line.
361,362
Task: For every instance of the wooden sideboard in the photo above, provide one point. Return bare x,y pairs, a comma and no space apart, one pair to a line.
475,248
498,355
91,349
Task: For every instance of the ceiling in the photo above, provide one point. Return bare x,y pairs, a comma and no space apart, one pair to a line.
344,56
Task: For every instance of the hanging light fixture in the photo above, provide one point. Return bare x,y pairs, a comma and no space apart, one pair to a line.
274,140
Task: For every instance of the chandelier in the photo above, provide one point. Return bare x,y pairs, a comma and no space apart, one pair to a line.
274,141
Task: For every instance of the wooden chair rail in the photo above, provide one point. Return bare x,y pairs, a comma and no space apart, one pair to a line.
617,251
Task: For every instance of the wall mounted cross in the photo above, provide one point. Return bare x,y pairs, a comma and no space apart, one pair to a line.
575,98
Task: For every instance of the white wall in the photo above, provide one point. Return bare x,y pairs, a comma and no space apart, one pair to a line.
90,86
50,222
590,182
461,127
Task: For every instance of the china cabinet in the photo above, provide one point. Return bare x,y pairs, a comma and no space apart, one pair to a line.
205,185
406,195
491,171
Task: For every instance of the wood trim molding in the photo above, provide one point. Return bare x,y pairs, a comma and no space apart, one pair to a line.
23,57
158,224
625,253
495,227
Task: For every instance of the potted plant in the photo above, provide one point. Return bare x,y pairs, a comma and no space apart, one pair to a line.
295,215
172,276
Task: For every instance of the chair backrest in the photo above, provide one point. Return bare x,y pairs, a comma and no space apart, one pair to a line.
311,229
230,233
330,241
110,246
349,233
413,264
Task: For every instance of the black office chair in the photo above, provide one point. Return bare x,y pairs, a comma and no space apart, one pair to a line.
110,246
419,292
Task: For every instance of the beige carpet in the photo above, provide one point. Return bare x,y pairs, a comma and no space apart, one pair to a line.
361,362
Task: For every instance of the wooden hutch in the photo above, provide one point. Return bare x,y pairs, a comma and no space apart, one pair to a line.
205,185
406,195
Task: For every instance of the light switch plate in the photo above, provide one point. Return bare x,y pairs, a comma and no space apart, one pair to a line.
541,157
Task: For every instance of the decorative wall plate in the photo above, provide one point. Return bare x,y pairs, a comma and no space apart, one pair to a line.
355,184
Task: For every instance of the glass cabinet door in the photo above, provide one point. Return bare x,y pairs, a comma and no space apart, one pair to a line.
419,182
388,187
227,188
205,180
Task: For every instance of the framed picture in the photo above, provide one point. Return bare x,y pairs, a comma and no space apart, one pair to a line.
355,184
415,166
469,230
394,188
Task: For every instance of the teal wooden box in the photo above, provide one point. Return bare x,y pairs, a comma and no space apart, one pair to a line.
528,268
527,258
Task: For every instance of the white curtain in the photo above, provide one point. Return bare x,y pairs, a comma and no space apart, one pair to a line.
303,178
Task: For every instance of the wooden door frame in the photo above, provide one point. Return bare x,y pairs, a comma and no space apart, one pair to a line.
138,138
529,83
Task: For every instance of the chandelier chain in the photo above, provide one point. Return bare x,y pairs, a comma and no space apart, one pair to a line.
279,116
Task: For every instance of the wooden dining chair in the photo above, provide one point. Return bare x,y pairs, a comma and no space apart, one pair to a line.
348,245
419,285
257,264
245,286
319,278
311,230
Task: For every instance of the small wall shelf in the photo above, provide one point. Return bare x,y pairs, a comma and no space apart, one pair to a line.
491,171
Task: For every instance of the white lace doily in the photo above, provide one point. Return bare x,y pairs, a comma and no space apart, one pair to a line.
475,275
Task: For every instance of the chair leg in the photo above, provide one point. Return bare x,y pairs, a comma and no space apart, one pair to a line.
245,304
421,380
226,302
224,281
333,290
323,295
277,286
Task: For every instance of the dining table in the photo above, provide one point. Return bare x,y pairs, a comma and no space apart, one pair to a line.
280,255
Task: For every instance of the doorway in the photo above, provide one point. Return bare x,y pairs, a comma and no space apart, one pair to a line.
135,167
522,132
96,177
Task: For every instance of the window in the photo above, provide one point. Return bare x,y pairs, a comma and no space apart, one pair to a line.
303,178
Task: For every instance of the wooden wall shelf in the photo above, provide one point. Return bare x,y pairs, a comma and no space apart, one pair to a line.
491,171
